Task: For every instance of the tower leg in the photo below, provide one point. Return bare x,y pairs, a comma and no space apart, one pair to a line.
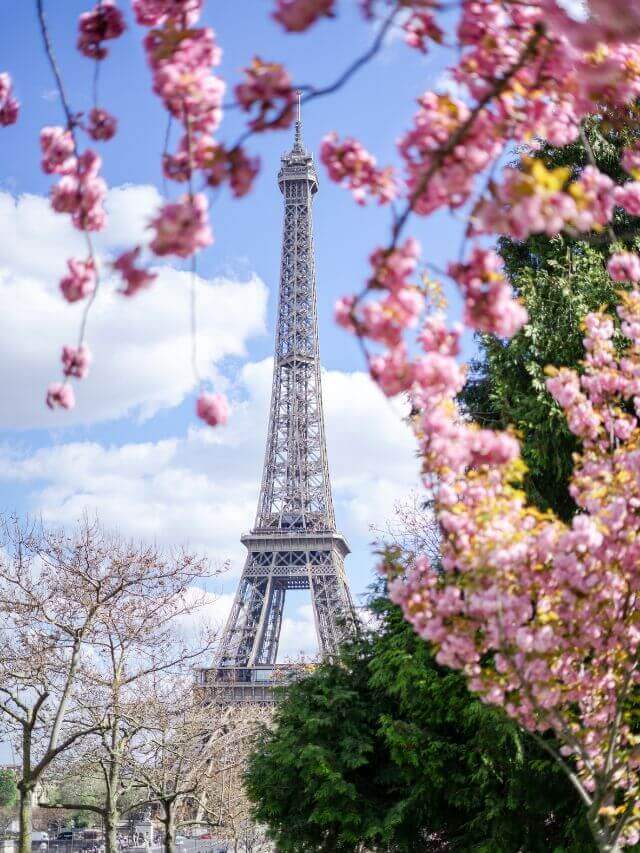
333,611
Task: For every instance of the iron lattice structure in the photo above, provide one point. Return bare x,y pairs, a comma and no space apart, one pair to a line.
294,543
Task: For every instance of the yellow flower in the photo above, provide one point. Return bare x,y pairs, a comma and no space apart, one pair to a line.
552,180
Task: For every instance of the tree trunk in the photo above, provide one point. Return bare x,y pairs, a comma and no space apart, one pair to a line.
26,809
169,827
26,787
111,831
111,814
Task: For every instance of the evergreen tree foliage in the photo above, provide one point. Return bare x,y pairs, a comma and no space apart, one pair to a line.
559,280
8,789
385,750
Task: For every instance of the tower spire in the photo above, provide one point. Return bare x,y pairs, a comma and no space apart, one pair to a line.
298,144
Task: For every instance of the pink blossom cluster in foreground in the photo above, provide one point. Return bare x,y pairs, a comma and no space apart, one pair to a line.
542,616
350,164
298,15
80,189
9,106
182,57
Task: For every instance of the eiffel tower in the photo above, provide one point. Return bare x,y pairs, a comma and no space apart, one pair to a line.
294,543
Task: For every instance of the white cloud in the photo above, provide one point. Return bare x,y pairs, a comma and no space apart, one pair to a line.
199,489
141,346
202,489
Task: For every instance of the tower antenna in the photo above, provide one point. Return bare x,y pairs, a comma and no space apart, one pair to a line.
298,136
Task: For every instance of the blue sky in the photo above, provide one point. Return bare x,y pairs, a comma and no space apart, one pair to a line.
132,450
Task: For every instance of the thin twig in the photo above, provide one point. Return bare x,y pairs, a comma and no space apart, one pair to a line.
356,65
193,301
312,92
71,125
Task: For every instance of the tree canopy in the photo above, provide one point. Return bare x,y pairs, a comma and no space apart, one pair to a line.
386,749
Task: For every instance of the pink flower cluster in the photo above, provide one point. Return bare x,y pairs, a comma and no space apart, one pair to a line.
536,200
421,28
181,56
624,266
435,179
101,24
76,361
350,164
134,277
102,125
9,106
81,192
489,305
297,15
182,227
181,63
60,395
175,13
628,197
213,409
217,164
81,280
267,86
392,269
541,615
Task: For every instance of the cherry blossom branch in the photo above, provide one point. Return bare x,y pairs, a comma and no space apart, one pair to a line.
71,127
48,47
461,131
313,92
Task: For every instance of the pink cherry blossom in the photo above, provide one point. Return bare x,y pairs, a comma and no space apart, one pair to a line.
9,106
156,13
299,15
213,409
267,85
420,28
135,278
58,151
60,395
350,164
196,95
435,337
343,312
386,320
102,125
81,280
217,164
628,196
392,269
624,266
392,371
489,304
76,361
182,228
101,24
81,193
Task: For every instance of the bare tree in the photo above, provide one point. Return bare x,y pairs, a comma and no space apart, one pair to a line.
57,592
173,753
135,644
413,531
223,801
